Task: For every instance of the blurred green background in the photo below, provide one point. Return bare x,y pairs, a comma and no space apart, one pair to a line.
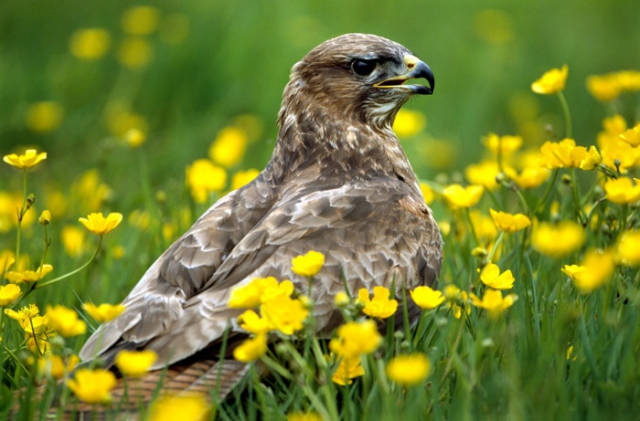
209,61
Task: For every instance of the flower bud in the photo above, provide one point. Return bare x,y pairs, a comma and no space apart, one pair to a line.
45,217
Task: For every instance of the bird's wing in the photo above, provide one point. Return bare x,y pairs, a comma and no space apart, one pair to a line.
182,270
370,234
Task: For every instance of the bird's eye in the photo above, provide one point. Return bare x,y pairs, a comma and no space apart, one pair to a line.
363,67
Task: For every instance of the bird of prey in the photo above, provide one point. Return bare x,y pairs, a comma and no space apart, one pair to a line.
338,182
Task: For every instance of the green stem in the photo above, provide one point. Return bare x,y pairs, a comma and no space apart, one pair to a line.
471,228
567,115
545,197
495,246
21,213
576,196
73,272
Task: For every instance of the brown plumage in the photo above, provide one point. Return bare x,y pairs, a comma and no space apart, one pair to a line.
338,182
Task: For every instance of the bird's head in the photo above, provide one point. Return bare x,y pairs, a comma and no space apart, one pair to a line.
360,76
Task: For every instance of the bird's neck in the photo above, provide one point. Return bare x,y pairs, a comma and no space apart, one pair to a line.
313,138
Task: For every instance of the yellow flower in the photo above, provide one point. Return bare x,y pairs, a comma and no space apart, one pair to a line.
491,277
609,86
17,277
135,137
565,154
135,363
285,314
104,312
483,226
43,116
551,81
7,259
348,369
98,224
117,252
506,145
572,271
249,295
134,52
303,416
341,299
355,339
252,323
73,240
427,193
427,298
628,252
92,386
380,306
531,177
408,123
622,190
28,159
140,20
203,177
509,222
462,197
25,313
65,321
494,302
251,349
140,219
307,264
595,269
120,119
45,217
632,136
557,240
229,146
483,174
89,43
242,178
409,369
186,407
54,365
9,293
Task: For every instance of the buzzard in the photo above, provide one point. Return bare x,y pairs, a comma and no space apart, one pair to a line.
338,182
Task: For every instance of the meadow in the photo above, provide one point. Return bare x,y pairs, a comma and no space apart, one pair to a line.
528,153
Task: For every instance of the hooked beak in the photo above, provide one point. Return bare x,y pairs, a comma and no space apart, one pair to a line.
417,70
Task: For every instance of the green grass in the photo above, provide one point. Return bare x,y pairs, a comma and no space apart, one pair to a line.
235,60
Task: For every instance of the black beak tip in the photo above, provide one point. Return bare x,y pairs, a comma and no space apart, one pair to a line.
422,70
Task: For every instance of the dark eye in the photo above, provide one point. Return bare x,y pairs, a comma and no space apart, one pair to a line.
363,67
